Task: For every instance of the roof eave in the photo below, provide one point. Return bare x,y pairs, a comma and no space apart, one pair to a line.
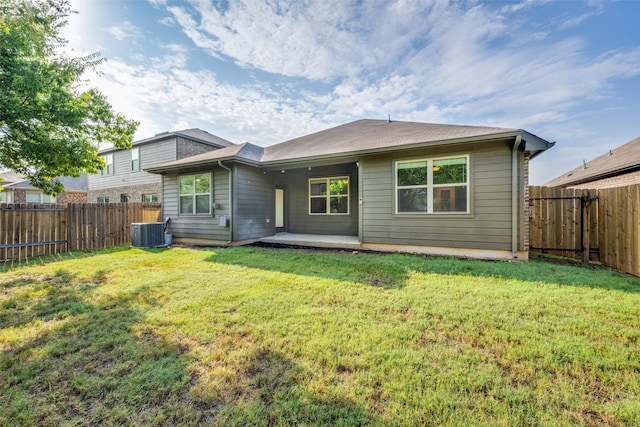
161,169
381,150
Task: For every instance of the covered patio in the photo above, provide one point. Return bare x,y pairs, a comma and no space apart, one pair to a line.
314,240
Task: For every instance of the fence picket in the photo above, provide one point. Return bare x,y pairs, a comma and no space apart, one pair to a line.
612,227
30,230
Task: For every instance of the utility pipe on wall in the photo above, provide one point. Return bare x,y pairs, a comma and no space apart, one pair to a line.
514,196
230,201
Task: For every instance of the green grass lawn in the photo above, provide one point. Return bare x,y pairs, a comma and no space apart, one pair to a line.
255,336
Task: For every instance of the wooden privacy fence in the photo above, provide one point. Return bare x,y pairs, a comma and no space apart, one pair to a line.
599,225
30,230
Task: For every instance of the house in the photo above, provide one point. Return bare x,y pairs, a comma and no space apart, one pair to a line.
369,185
15,188
124,178
616,168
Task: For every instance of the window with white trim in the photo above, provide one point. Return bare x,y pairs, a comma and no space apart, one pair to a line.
329,196
33,197
150,198
135,159
4,197
108,168
438,185
195,194
103,200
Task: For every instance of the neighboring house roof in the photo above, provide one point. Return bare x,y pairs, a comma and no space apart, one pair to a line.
618,161
71,184
194,134
9,177
357,138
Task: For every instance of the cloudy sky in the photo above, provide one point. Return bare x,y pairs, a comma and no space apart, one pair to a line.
268,71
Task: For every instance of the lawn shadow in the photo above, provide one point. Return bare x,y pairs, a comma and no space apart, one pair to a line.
91,358
392,270
7,266
270,389
85,360
338,265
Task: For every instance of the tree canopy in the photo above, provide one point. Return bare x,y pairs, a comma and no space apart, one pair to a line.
49,126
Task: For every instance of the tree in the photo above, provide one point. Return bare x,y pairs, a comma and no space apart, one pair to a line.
49,127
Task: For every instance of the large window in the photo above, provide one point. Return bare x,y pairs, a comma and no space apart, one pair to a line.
108,168
33,197
433,185
329,196
195,194
135,159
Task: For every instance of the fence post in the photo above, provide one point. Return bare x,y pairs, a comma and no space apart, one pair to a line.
586,244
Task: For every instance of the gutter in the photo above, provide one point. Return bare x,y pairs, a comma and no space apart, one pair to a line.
514,196
230,201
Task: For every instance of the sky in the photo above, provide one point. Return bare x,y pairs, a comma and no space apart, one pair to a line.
268,71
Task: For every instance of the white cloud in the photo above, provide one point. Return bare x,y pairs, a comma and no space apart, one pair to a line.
126,30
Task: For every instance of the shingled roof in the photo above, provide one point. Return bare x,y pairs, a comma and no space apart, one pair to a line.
356,138
618,161
193,134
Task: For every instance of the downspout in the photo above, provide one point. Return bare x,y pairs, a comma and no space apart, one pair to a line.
230,201
514,197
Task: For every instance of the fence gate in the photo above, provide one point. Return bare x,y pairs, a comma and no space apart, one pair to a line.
564,222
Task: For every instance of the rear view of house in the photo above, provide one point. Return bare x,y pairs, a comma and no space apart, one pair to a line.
377,184
124,178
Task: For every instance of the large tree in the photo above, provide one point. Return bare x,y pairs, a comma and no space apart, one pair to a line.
49,126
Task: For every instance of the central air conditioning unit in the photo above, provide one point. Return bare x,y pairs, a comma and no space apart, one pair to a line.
147,234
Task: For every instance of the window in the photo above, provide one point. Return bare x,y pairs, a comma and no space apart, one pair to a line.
32,197
135,159
195,194
108,168
433,185
3,197
329,196
103,200
150,198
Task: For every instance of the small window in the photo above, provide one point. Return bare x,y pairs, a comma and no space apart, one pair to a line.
108,168
433,185
329,196
150,198
135,159
195,194
124,198
3,197
103,200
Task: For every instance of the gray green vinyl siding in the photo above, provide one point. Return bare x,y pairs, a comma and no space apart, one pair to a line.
197,226
298,219
254,211
486,226
150,155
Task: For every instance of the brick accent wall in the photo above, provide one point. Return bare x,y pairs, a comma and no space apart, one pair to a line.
134,192
188,148
72,197
615,181
19,196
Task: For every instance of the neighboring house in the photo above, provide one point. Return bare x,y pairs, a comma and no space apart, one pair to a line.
369,184
17,189
124,178
617,168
